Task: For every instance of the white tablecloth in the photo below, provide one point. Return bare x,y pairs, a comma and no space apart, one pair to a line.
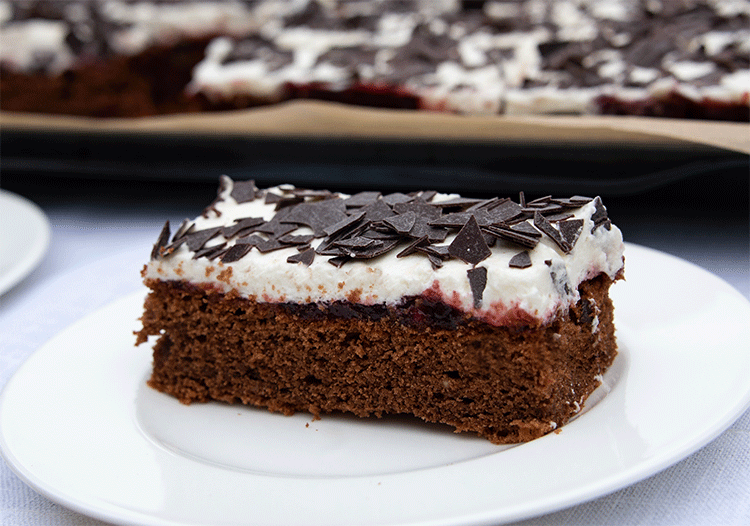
95,257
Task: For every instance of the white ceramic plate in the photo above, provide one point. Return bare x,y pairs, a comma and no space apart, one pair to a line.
24,238
78,425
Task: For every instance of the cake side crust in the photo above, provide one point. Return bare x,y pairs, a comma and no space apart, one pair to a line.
504,384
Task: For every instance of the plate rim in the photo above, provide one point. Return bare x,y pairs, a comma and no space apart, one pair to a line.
41,237
594,489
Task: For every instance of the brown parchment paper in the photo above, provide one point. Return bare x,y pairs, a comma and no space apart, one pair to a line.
331,120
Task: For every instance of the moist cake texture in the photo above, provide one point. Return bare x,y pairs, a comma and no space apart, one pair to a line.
118,58
489,315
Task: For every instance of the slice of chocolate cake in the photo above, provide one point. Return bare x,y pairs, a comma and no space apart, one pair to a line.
490,315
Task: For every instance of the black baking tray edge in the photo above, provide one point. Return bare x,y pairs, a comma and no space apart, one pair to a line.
352,164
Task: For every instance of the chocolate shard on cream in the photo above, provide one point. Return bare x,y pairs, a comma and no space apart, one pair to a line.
319,306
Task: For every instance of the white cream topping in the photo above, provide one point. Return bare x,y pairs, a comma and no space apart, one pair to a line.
537,293
639,75
145,23
550,100
689,70
24,44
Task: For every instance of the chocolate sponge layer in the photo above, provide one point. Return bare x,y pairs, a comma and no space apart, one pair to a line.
507,385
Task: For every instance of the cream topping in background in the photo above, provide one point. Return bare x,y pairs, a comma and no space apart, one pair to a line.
538,292
496,71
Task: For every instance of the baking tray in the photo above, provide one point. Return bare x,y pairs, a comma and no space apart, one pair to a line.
321,144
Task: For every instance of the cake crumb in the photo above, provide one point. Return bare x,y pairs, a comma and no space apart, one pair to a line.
355,295
225,275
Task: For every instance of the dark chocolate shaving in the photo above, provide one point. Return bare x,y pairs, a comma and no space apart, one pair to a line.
556,218
422,228
398,197
339,261
477,282
377,249
402,223
275,227
196,240
485,204
241,226
526,229
290,239
236,252
174,245
361,199
161,241
367,225
571,230
504,211
454,220
469,245
314,194
183,229
435,261
305,257
377,211
514,235
599,217
545,226
458,202
243,191
546,209
375,234
251,240
317,215
440,251
427,195
269,245
576,201
520,260
287,201
344,224
210,252
329,249
539,202
356,243
412,247
424,214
